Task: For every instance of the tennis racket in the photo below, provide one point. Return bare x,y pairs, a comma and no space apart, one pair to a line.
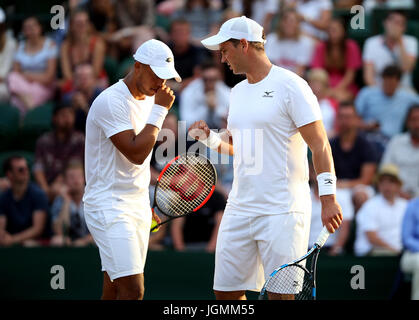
184,185
294,278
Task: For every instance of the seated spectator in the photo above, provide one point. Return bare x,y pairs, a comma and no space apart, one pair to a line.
379,221
337,241
131,13
55,149
102,15
354,157
23,207
187,56
315,16
410,238
199,230
341,58
7,52
202,17
205,98
31,83
82,45
67,210
383,108
403,151
318,80
84,92
391,48
282,45
262,11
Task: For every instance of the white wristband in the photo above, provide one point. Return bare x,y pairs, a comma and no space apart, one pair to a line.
213,141
327,183
157,115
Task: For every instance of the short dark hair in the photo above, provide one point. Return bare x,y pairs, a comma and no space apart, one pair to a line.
62,104
178,21
399,12
7,164
348,104
392,71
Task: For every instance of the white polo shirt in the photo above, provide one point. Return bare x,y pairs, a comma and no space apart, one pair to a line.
377,214
112,181
270,156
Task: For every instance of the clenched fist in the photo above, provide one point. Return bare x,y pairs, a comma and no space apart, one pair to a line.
164,97
199,130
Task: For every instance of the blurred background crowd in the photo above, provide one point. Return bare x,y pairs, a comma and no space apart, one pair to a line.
366,81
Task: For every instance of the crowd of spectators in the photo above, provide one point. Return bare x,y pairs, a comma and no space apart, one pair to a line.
366,89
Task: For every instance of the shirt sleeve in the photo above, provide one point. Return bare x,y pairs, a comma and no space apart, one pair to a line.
411,45
302,105
369,220
368,53
410,223
40,201
112,115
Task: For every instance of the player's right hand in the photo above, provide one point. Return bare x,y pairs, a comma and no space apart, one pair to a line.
164,97
199,130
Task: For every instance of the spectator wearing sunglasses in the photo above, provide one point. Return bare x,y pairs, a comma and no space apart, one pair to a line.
23,207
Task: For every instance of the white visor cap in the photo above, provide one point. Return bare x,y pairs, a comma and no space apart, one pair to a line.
159,57
236,28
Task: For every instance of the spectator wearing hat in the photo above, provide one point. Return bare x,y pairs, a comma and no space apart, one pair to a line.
410,236
403,151
379,221
55,149
23,207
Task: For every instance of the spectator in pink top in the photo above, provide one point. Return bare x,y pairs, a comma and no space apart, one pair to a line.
341,58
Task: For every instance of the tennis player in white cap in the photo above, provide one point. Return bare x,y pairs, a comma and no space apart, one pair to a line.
121,130
266,222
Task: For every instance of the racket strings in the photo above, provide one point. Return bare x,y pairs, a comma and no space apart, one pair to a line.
185,185
293,280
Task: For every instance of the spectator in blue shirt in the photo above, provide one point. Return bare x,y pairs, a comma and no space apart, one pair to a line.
410,238
23,207
384,108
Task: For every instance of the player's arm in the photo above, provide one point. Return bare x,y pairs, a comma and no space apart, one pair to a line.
222,142
315,136
136,148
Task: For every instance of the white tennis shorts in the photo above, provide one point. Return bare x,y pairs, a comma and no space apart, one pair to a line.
122,239
250,248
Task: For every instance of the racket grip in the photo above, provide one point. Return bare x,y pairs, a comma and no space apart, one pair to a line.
322,238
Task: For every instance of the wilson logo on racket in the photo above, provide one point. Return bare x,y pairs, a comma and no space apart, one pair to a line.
185,182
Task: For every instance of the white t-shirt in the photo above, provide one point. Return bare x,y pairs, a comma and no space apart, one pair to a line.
282,52
112,181
377,214
193,105
270,156
375,51
313,9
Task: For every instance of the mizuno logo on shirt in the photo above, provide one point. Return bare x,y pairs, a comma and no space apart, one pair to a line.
267,94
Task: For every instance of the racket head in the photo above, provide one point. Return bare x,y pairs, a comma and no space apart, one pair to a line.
291,279
184,185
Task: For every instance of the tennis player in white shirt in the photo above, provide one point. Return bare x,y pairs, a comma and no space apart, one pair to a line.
266,222
121,130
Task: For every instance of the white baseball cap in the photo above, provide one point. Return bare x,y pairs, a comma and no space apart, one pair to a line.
2,16
159,57
236,28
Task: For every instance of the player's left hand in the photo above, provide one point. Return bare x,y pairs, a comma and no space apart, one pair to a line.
331,213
